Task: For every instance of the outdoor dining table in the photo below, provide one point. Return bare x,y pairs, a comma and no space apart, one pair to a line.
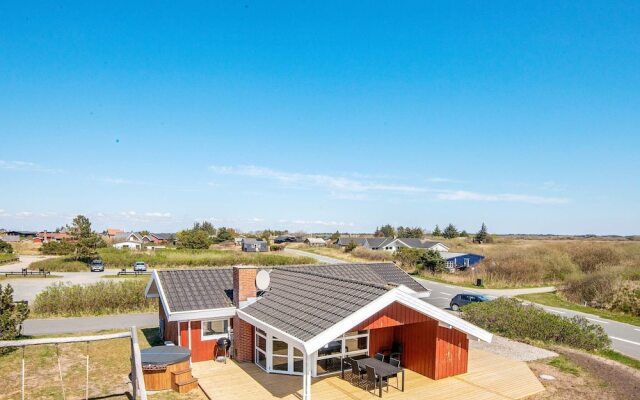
383,370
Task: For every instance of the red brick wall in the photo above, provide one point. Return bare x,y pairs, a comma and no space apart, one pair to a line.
243,340
244,284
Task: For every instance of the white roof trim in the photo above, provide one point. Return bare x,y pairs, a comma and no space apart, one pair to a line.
215,313
401,294
281,335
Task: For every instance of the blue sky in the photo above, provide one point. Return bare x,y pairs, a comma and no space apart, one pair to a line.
321,117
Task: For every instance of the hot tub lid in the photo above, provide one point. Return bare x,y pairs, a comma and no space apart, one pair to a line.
164,355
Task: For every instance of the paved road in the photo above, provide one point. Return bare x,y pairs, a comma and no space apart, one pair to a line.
322,259
625,338
28,288
36,327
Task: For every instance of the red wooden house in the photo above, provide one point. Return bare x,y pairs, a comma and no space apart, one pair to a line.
303,320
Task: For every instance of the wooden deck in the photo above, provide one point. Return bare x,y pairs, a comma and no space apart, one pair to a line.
489,377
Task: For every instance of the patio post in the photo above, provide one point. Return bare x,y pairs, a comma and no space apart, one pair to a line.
306,377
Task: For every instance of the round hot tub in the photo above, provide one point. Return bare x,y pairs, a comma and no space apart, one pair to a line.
158,364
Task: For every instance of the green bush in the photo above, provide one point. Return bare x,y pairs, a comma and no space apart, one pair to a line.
109,297
7,258
61,248
276,247
60,265
5,247
591,257
114,258
508,317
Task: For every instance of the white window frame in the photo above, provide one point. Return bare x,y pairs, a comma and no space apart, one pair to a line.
216,336
263,352
342,353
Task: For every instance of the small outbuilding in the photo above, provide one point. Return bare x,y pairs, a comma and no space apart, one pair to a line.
254,245
312,241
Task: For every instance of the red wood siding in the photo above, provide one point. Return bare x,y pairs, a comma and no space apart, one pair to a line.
170,328
452,349
184,334
419,347
380,339
201,350
429,349
393,315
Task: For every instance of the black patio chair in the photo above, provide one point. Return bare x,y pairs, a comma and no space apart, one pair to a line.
356,372
372,379
396,363
379,357
396,350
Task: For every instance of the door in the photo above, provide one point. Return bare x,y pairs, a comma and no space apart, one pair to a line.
285,358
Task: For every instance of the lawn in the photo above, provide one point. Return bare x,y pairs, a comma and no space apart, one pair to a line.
7,258
109,367
170,258
554,300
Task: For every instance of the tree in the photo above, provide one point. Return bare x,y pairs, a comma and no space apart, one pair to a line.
351,246
407,232
436,231
193,239
205,226
450,232
58,248
5,247
433,262
409,259
482,234
385,231
144,233
12,315
335,236
464,234
86,241
225,234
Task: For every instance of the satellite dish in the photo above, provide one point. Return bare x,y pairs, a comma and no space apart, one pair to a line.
263,279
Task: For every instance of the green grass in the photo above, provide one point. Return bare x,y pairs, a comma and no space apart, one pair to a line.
621,358
114,258
3,277
8,258
101,298
553,300
565,365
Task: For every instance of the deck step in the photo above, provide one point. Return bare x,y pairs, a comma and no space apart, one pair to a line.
184,375
186,386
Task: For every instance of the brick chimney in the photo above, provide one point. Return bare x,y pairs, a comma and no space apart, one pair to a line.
244,287
244,283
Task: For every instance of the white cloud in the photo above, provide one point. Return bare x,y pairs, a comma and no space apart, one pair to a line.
24,214
158,214
116,181
25,166
461,195
321,222
326,181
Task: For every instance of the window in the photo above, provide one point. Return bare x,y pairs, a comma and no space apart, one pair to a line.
466,262
215,329
350,344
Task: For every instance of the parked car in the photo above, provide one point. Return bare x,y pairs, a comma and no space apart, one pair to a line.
460,300
97,266
139,266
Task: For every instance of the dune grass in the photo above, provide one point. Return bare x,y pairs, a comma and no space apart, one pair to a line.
119,259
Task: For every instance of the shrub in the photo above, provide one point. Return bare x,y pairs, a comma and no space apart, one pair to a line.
5,248
60,265
276,247
373,255
351,246
591,258
109,297
61,248
408,259
508,317
12,315
432,261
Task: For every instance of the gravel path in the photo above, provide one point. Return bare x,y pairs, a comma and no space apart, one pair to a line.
513,350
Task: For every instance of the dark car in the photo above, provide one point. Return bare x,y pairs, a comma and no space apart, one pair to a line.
97,266
460,300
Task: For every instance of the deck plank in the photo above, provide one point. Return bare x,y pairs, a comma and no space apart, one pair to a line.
489,377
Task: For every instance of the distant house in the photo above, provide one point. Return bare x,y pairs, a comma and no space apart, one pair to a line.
128,245
460,261
412,243
22,234
312,241
10,238
129,237
284,239
112,232
392,244
44,236
159,238
254,245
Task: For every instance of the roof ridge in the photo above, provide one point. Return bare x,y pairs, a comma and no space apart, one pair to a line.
371,284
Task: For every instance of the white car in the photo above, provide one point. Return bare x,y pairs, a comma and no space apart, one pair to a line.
139,266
